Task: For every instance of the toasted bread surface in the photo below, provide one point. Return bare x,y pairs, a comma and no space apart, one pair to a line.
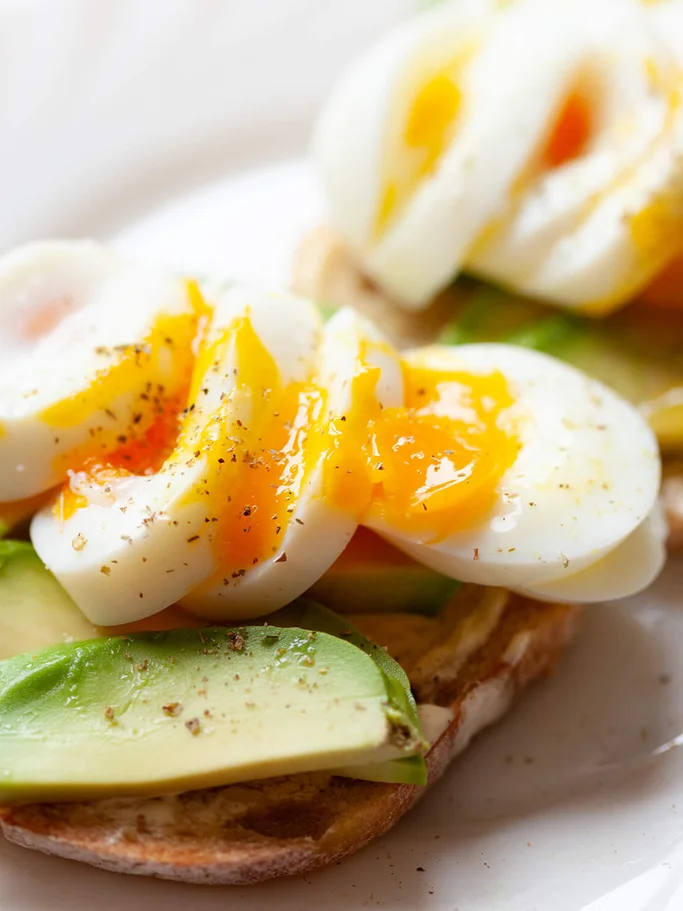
246,833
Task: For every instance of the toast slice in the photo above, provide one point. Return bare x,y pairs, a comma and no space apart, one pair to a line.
483,650
325,271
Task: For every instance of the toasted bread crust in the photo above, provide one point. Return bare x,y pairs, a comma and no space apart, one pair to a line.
247,833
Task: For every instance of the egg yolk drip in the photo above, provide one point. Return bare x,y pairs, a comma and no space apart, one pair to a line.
156,420
428,128
437,461
254,449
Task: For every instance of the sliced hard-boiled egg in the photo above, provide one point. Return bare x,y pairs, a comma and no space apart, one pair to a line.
298,503
439,136
263,486
595,223
92,350
627,569
519,141
506,467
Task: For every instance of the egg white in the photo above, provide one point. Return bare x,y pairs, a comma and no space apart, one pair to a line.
568,238
585,479
488,205
102,305
143,542
318,530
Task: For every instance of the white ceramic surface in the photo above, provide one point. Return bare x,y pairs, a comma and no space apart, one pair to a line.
137,121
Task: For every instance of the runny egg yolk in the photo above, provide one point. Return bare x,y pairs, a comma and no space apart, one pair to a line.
254,450
429,467
155,421
258,464
427,130
437,461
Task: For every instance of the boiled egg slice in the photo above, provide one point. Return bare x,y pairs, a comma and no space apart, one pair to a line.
627,569
506,467
92,349
260,492
518,141
296,506
422,145
596,217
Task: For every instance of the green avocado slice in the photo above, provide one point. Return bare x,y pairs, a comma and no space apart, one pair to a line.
35,611
408,770
371,576
171,711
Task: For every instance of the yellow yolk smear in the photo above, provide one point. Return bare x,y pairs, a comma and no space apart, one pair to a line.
427,130
255,465
657,232
155,421
347,479
437,462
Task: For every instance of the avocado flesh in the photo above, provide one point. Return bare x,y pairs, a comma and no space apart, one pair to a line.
372,577
35,611
409,770
172,711
638,354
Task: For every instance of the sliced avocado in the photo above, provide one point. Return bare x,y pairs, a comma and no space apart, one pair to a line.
308,614
371,576
171,711
35,611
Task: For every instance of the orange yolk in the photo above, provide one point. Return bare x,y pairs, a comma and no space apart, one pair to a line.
46,318
571,132
155,421
256,465
428,128
437,461
429,467
347,480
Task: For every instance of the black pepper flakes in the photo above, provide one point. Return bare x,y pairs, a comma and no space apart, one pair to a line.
172,709
194,726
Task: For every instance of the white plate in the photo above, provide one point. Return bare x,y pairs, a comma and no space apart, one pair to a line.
139,122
